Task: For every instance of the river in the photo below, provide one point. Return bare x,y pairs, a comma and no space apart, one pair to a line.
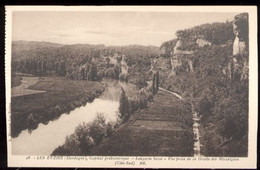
44,139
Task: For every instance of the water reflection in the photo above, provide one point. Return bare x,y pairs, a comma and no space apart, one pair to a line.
113,89
46,138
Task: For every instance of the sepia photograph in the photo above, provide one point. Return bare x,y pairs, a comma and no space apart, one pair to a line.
131,85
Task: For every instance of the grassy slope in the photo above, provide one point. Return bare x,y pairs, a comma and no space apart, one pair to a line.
61,96
133,140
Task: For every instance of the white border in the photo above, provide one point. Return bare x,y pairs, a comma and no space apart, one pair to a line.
250,162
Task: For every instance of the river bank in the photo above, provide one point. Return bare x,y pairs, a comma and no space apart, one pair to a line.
47,137
61,96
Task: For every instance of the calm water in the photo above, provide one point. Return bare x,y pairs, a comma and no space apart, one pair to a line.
44,139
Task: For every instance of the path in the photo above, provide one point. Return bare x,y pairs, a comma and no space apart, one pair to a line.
156,131
196,125
175,94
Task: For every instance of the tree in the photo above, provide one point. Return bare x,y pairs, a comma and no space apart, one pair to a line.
82,72
157,81
154,85
124,107
107,62
92,72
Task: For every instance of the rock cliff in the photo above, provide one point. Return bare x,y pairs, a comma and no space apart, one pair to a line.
238,66
240,29
179,53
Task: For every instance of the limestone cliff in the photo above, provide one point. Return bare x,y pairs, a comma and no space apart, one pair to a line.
238,66
181,50
240,28
162,63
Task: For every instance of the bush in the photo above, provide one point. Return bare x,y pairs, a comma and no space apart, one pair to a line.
124,106
140,81
133,105
97,128
85,137
109,129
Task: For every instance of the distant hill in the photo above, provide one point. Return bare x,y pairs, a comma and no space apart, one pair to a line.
21,47
70,60
36,50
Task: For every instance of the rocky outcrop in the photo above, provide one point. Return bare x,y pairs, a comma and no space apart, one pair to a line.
181,50
123,65
239,47
176,61
162,64
202,42
238,66
177,51
240,29
167,47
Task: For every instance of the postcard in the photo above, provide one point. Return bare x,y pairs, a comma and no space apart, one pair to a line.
131,86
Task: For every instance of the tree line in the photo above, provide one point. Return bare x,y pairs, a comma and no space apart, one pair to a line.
128,106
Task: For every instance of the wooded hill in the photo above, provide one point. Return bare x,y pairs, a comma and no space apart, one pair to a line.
76,61
214,76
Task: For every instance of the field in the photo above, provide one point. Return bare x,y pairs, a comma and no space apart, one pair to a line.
15,80
22,89
163,129
60,96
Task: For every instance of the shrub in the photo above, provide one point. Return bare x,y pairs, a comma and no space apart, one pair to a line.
124,106
85,137
97,128
109,129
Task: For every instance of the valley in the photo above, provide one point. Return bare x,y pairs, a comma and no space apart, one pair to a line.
188,97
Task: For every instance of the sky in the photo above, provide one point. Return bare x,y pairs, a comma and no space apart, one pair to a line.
108,28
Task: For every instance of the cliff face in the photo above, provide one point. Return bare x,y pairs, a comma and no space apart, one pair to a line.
239,47
240,29
162,64
179,53
209,66
178,50
238,66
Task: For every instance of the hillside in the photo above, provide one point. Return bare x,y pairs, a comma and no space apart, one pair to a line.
42,58
39,50
29,46
209,66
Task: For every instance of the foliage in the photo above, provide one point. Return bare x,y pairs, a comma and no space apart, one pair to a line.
241,21
216,33
87,62
140,81
124,106
85,137
154,90
157,83
217,86
219,99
